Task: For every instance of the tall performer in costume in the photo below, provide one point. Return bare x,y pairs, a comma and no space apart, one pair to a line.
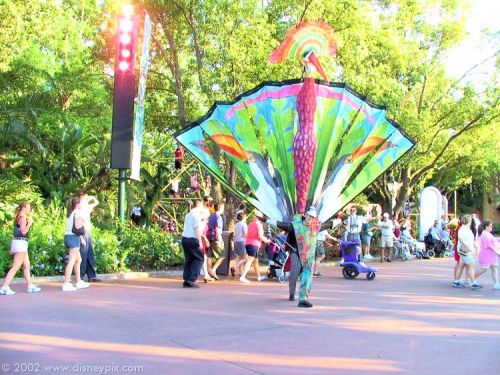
300,149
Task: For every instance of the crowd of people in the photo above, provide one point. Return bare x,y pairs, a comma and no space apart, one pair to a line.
204,249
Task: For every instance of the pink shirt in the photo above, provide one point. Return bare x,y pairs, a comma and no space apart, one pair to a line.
255,233
488,244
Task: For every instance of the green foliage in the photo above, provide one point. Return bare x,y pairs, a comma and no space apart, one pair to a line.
149,249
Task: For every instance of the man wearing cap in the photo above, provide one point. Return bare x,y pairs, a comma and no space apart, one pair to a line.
387,235
303,233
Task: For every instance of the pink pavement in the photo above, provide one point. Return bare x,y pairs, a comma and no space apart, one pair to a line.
409,320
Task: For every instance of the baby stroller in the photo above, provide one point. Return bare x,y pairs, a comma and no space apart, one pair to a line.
279,266
352,267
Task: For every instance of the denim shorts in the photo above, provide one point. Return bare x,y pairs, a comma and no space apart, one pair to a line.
72,241
252,251
320,249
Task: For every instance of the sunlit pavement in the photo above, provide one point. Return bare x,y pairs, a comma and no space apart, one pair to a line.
408,320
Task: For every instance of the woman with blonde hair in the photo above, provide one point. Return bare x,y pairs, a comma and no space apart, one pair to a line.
19,251
74,237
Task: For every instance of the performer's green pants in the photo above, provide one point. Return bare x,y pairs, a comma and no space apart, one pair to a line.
307,275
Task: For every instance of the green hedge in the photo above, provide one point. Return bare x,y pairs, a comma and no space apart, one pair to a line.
126,249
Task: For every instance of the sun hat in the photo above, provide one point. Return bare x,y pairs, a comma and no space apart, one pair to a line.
386,214
257,213
312,212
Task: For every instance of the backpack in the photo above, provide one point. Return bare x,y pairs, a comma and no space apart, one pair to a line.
212,224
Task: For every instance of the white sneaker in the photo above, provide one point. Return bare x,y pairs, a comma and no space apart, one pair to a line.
260,278
368,257
68,288
341,262
82,285
35,288
6,291
496,286
244,279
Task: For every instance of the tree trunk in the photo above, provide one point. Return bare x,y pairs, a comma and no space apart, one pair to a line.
176,72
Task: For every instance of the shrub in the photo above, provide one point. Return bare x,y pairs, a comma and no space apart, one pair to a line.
150,249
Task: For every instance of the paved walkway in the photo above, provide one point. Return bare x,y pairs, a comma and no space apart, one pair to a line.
408,320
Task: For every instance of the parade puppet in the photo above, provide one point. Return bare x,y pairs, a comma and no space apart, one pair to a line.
299,146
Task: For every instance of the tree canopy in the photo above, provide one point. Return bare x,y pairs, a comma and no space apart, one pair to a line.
56,84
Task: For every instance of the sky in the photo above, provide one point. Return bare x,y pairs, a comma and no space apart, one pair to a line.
484,14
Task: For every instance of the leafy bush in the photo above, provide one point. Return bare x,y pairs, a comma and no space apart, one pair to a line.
129,249
150,249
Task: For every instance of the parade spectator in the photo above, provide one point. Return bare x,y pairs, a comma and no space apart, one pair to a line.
191,244
320,251
366,237
216,250
19,251
74,238
207,202
387,236
137,215
174,188
179,156
240,236
475,225
397,229
87,267
489,253
406,235
435,234
445,237
465,248
254,240
194,183
354,225
205,243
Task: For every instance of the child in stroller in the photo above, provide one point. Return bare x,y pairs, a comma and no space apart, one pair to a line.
352,267
278,258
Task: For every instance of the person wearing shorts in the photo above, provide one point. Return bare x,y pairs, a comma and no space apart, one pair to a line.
19,251
205,243
489,253
320,251
465,248
216,250
74,237
240,236
255,238
387,235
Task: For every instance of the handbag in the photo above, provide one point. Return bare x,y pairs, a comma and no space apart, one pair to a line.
78,231
461,251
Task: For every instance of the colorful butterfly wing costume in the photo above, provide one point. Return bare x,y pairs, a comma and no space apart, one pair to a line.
353,144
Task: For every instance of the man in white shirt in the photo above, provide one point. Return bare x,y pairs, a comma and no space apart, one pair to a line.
387,236
191,244
465,248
